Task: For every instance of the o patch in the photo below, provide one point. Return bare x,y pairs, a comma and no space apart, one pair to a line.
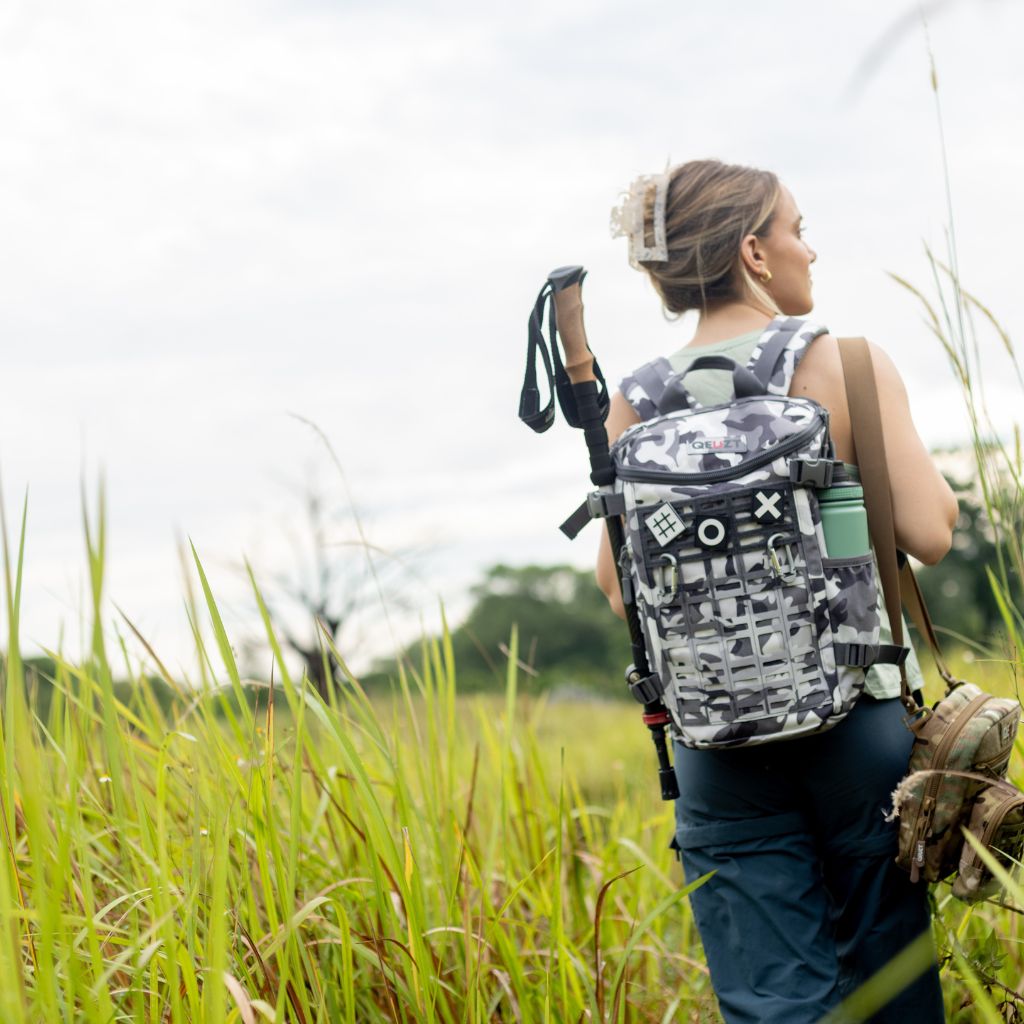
712,532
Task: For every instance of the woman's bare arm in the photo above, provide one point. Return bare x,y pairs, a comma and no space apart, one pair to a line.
924,506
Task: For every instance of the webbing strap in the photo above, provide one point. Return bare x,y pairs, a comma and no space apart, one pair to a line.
869,450
575,523
558,383
866,655
914,600
675,396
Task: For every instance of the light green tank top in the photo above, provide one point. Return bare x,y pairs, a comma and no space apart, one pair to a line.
712,387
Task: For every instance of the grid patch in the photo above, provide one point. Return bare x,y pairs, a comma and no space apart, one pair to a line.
665,524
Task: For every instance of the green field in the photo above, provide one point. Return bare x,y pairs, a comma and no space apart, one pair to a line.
416,857
422,857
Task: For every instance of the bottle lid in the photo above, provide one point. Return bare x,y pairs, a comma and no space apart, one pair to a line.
847,492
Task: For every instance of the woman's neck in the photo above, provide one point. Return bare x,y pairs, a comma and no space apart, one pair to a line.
727,322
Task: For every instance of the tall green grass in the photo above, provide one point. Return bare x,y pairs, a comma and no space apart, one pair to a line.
418,857
980,945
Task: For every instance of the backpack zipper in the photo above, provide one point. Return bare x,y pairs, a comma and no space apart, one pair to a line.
791,443
924,815
998,814
997,765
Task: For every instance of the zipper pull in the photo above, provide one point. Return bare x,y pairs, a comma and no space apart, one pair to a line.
920,835
918,861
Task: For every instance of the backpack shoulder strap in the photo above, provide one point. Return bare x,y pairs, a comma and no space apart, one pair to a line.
644,387
869,448
779,351
899,584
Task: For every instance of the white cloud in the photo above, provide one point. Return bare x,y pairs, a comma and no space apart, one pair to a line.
214,214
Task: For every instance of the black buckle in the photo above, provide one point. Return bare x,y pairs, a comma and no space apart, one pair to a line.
856,655
816,472
860,655
604,504
645,689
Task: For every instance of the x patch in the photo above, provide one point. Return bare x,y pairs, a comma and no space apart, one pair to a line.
769,505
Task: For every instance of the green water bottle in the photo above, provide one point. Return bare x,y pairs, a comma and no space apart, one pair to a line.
843,517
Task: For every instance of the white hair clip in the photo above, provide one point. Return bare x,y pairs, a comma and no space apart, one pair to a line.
628,219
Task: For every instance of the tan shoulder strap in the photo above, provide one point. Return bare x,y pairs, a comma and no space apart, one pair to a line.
869,446
913,600
869,449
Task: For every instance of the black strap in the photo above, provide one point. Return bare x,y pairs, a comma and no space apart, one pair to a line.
579,518
891,654
531,412
866,655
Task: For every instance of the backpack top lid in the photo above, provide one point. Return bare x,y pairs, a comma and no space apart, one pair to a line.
656,387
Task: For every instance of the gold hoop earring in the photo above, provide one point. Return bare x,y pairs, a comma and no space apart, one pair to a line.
766,276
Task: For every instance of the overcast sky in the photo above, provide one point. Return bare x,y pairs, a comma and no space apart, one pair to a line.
216,215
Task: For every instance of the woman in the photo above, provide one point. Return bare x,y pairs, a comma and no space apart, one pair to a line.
805,902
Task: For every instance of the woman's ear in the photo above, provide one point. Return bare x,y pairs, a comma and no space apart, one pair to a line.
752,255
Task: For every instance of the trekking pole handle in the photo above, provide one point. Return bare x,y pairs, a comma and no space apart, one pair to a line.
567,286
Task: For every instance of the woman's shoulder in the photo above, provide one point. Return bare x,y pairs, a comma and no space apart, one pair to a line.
823,362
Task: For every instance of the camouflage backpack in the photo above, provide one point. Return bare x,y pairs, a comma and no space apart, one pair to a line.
753,634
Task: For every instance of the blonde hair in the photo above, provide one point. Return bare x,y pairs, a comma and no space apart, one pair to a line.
710,208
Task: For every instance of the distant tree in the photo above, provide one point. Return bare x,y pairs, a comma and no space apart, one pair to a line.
957,590
333,581
568,635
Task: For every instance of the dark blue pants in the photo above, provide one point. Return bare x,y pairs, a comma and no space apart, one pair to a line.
806,902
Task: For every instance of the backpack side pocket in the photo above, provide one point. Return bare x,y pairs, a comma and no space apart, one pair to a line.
853,619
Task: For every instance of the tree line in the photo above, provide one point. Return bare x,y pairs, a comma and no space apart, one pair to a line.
570,640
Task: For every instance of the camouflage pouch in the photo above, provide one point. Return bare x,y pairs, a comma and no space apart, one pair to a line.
997,819
960,744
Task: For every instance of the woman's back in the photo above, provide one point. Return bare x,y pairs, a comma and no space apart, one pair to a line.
800,900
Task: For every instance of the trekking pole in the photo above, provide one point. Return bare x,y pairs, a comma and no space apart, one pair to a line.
584,401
